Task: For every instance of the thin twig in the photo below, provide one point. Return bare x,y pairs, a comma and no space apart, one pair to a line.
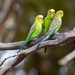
8,58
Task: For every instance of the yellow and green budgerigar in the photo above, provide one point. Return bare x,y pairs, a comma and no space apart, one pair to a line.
48,19
55,26
35,30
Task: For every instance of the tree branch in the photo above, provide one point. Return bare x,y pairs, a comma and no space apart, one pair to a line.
57,39
6,9
67,58
4,14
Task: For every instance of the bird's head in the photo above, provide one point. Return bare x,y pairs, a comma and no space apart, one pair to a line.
60,13
39,18
51,13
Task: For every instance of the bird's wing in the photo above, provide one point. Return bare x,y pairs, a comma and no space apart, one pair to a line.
32,29
46,21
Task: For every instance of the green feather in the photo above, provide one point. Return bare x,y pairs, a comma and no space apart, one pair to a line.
55,26
34,32
48,20
47,23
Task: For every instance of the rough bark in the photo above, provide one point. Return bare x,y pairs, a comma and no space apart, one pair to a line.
57,39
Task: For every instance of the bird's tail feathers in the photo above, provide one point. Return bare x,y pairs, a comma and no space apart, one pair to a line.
22,47
42,41
46,37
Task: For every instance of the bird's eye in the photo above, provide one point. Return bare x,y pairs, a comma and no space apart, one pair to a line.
50,14
37,17
40,17
61,14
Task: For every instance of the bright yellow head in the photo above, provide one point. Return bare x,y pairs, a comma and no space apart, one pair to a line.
60,13
39,18
51,13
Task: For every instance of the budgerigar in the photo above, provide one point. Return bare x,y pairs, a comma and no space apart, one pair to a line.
48,19
55,26
35,30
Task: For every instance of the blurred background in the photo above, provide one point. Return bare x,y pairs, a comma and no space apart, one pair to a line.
16,18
